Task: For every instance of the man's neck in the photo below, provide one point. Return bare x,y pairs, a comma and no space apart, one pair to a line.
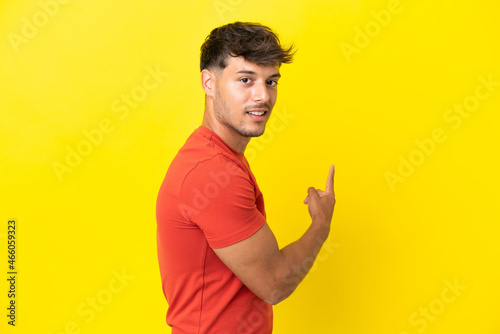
233,140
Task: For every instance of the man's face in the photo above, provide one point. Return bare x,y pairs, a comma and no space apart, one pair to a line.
245,96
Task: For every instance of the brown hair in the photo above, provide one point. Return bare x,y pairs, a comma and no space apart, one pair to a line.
255,42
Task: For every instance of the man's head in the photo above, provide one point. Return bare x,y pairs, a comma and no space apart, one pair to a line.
256,43
239,66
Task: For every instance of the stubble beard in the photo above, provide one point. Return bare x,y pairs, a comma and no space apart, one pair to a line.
224,116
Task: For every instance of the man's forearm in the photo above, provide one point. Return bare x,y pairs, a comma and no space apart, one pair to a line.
299,258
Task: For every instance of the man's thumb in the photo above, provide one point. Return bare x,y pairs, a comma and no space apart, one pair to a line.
312,192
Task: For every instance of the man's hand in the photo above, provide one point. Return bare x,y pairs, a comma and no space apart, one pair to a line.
273,274
321,203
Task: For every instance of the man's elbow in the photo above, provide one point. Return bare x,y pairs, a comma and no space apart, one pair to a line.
281,289
275,299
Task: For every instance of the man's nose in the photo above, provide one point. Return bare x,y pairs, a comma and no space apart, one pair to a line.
260,93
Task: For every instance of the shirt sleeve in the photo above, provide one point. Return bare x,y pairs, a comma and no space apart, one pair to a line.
219,196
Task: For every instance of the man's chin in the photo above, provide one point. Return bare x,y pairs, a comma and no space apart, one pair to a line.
249,132
256,133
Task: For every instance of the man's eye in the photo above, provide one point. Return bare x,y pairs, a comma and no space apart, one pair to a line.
245,80
272,82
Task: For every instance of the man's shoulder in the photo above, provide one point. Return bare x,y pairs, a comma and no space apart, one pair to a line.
199,148
201,167
199,157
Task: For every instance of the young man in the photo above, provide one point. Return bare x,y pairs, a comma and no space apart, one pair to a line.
220,264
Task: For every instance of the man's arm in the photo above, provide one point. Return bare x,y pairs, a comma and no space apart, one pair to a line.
273,274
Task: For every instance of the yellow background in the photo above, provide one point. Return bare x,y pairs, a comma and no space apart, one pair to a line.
392,247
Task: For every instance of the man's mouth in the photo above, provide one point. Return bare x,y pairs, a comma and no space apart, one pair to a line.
258,115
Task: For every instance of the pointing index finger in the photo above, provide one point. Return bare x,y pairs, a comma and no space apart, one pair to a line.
329,180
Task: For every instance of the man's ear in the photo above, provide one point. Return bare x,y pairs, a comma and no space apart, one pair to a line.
208,80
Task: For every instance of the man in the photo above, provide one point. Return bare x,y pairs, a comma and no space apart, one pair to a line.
220,264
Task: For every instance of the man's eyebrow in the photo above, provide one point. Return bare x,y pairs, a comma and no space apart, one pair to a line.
276,75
